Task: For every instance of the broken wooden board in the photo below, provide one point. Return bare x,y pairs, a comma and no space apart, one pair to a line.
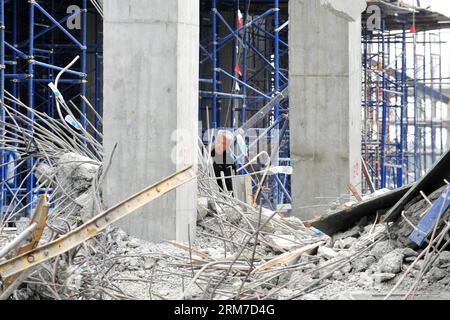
186,248
344,218
40,218
355,192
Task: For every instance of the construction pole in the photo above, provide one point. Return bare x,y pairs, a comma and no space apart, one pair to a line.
276,181
416,131
432,105
403,117
384,109
30,162
424,104
214,64
2,88
83,62
244,63
440,99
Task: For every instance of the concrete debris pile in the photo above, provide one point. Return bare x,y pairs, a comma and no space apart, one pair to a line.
66,167
245,253
413,213
241,251
380,259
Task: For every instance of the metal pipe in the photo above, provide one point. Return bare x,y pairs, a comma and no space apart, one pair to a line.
83,60
18,240
384,110
50,28
30,162
244,64
404,115
250,23
243,83
276,87
46,65
2,88
214,63
424,131
416,129
67,33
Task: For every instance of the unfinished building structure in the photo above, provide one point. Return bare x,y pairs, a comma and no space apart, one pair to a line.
243,62
328,102
404,101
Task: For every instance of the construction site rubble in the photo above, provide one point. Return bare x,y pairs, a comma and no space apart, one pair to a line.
241,250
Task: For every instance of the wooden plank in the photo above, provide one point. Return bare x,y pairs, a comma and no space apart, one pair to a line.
186,248
39,217
355,192
287,256
366,174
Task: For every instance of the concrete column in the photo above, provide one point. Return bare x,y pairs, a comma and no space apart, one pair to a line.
324,101
151,51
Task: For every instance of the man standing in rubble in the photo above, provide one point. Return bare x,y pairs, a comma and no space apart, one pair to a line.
222,161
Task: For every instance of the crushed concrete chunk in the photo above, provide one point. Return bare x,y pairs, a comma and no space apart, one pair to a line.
149,263
435,274
383,277
353,232
365,280
232,215
444,258
345,243
382,248
202,208
391,262
408,252
326,252
133,243
362,264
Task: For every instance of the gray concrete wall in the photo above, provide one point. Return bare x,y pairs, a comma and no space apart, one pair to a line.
150,92
324,102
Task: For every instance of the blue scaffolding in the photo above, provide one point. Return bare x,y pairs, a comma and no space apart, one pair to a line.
36,43
402,103
243,65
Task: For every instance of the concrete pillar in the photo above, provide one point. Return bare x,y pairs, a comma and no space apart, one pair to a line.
324,101
151,51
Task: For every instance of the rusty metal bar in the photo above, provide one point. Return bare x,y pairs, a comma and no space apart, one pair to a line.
95,225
